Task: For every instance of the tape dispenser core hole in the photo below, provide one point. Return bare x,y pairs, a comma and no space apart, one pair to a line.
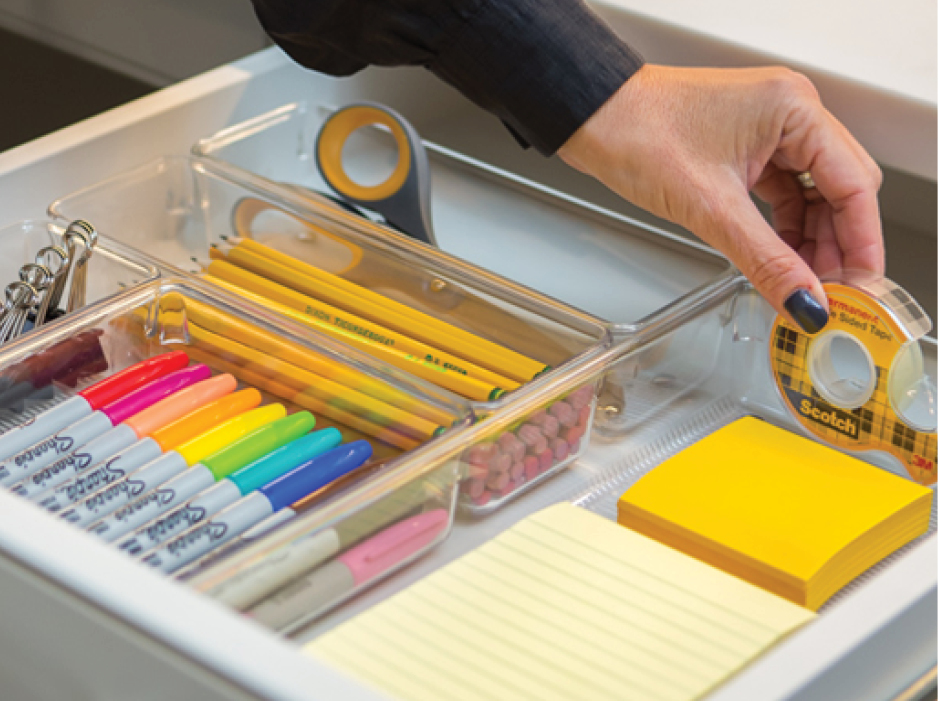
370,155
841,369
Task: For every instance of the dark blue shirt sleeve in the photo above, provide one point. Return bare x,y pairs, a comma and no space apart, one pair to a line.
542,66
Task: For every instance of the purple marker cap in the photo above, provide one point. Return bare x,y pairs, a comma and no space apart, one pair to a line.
151,393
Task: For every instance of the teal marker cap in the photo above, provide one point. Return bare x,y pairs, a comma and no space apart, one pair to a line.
258,443
284,459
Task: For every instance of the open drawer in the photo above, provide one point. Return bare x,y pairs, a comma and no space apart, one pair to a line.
80,619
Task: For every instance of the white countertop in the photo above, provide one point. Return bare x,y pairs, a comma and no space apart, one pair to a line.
873,62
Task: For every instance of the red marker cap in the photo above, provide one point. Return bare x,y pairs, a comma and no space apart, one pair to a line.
120,384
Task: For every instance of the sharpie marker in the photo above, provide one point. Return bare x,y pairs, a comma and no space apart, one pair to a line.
66,363
145,425
244,513
90,400
74,436
113,440
228,490
203,474
260,570
303,599
131,498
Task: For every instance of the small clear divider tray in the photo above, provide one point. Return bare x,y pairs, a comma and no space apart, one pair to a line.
39,245
174,210
411,471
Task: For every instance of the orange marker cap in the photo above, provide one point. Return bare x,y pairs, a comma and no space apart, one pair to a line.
208,417
179,404
230,431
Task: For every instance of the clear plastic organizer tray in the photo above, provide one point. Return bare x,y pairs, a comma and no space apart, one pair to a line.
517,228
412,471
175,210
683,377
108,269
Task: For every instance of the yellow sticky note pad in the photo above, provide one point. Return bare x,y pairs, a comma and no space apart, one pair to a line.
781,511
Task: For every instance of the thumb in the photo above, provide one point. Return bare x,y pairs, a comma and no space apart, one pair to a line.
774,268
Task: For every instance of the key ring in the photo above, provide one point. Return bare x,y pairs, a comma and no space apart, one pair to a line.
404,197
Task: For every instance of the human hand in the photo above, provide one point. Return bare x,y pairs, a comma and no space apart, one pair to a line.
689,144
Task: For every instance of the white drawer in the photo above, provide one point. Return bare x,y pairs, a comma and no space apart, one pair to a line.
79,621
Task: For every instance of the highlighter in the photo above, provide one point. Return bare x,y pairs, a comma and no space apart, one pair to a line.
252,509
89,400
73,436
228,490
115,437
145,425
139,483
203,473
309,595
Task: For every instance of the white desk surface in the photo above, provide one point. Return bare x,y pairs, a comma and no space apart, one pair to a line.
874,62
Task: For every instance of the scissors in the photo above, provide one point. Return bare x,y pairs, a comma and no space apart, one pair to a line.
404,201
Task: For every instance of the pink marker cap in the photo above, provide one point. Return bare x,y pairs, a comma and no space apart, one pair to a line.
151,393
394,545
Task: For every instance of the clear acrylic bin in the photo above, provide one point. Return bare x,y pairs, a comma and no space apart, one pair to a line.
528,233
175,209
288,365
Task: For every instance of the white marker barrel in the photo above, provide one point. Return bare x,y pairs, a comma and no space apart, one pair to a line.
200,539
90,482
149,506
43,426
194,511
126,490
90,454
53,448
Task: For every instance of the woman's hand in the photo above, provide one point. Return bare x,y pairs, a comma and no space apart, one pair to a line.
689,145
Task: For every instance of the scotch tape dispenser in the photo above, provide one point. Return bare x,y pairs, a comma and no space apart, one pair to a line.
861,384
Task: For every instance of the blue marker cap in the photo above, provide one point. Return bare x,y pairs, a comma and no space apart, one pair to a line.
316,473
293,454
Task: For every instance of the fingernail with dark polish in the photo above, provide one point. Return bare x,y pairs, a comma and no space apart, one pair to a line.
807,311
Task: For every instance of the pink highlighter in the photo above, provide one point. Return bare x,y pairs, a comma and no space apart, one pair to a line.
308,595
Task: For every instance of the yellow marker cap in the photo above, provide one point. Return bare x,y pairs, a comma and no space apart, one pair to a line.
230,431
195,423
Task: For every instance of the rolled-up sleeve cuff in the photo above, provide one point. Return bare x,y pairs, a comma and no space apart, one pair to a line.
542,66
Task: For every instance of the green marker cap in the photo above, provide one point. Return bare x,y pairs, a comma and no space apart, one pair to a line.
259,443
284,459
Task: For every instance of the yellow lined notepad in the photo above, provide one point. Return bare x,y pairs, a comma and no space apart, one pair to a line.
564,605
777,509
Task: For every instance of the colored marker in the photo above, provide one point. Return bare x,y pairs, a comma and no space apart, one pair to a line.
307,596
146,425
66,362
260,568
202,475
246,512
75,435
228,490
116,437
136,489
98,395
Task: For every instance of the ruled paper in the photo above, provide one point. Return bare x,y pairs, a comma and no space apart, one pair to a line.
564,605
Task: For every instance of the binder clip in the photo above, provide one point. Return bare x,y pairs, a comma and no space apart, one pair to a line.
35,298
860,384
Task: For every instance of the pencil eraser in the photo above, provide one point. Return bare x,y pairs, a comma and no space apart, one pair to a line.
474,471
532,467
517,471
549,425
546,459
500,464
560,448
564,413
475,487
512,446
581,398
584,418
497,481
483,499
482,453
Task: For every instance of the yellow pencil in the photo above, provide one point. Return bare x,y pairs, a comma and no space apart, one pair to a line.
228,326
333,394
312,281
349,321
465,385
303,399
